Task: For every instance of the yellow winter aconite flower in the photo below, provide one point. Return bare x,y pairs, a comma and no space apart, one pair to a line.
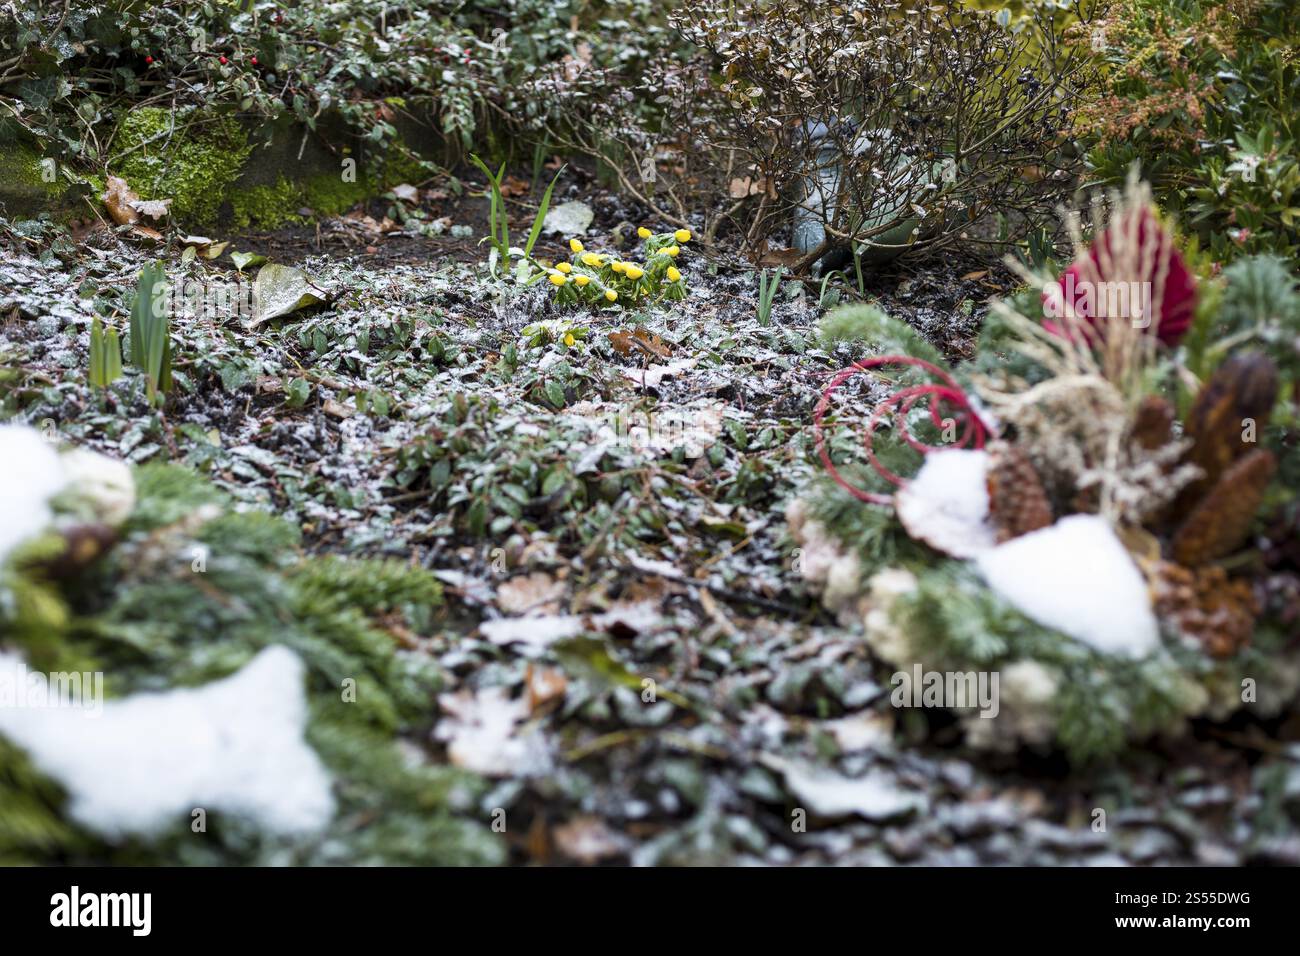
633,272
611,295
672,251
682,235
565,268
673,274
592,260
569,339
644,233
618,266
581,280
558,279
575,245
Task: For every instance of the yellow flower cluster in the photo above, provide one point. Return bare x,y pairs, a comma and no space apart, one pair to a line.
593,278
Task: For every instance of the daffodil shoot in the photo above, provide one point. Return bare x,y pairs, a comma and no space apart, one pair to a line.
596,279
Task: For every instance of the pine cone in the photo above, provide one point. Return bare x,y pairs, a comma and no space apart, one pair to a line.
1018,503
1220,523
1242,388
1153,425
1206,606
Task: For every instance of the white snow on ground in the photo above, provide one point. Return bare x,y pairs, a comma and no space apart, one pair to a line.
947,504
234,746
1077,578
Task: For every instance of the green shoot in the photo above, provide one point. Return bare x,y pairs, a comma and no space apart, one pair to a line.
150,333
822,300
768,284
105,355
499,223
498,219
541,216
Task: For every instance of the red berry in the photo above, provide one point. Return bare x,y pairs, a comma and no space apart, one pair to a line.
222,60
148,59
253,60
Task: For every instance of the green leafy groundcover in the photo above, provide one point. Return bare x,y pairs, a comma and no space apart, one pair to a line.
144,617
78,67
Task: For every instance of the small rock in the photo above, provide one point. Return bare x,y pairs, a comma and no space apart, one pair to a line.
568,219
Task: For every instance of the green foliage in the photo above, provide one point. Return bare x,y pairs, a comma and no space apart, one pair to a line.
872,532
1261,301
190,156
869,324
1205,96
994,350
768,286
30,824
597,279
73,71
147,618
105,355
151,333
956,623
498,236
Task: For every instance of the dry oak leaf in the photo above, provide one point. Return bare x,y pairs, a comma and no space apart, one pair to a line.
537,593
625,343
123,207
744,186
120,201
545,685
153,208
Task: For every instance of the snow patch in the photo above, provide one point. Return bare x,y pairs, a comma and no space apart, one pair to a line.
947,504
233,746
1077,578
30,476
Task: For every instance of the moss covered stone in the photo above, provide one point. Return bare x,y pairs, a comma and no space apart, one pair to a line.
206,165
275,204
190,158
325,193
278,203
26,186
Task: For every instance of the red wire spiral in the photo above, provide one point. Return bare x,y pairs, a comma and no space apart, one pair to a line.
974,431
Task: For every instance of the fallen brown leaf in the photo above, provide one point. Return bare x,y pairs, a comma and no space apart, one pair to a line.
588,840
780,257
537,592
625,343
514,186
546,685
120,201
